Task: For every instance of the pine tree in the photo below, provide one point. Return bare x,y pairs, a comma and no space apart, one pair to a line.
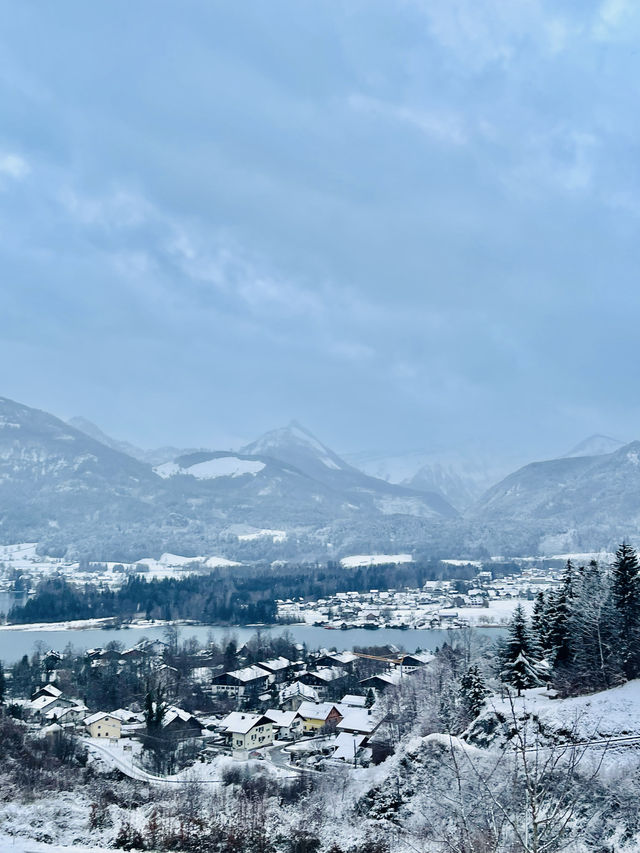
559,636
539,622
3,683
519,657
370,699
596,663
521,673
472,691
625,592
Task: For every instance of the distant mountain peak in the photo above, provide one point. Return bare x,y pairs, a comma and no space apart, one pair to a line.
296,445
595,445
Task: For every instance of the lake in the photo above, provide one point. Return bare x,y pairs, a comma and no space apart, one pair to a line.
20,641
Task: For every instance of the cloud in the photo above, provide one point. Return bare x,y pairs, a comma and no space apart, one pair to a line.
437,125
13,166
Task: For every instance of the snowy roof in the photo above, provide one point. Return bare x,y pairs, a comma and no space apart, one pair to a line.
316,710
343,657
356,701
50,689
298,689
126,716
44,702
347,745
172,713
280,718
101,715
328,673
238,723
249,673
275,665
363,720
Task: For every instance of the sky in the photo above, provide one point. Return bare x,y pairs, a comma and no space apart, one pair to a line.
409,224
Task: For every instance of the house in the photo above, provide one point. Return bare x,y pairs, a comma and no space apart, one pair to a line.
102,725
382,680
65,715
292,696
247,731
47,690
323,679
410,663
317,715
354,701
287,725
240,682
362,721
349,747
40,706
279,668
345,660
181,723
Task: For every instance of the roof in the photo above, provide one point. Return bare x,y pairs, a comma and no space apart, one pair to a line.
249,673
50,689
238,723
43,702
347,745
316,710
280,718
101,715
275,665
362,720
327,673
298,689
356,701
172,713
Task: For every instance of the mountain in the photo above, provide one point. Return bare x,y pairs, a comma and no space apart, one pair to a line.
595,445
80,496
154,457
294,445
460,477
572,503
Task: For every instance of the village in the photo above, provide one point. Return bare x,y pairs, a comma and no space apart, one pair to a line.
483,601
320,710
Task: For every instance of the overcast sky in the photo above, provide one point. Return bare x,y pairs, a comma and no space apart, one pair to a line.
408,224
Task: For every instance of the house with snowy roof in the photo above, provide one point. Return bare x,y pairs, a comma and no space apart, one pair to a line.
181,723
245,732
287,725
103,725
240,682
293,695
317,715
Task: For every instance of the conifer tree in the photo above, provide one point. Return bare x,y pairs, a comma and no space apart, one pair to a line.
625,592
559,616
521,673
539,622
520,655
472,691
596,663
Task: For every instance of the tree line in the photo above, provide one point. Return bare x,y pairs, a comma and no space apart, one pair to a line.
582,637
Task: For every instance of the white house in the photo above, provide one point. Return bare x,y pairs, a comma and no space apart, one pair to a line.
103,725
287,725
247,731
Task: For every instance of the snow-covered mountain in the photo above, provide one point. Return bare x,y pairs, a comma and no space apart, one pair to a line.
595,445
156,456
572,501
75,494
460,477
294,445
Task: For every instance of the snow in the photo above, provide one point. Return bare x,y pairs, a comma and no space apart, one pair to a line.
221,466
609,714
374,560
275,535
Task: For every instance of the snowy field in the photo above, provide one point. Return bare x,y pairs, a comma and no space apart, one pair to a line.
374,560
